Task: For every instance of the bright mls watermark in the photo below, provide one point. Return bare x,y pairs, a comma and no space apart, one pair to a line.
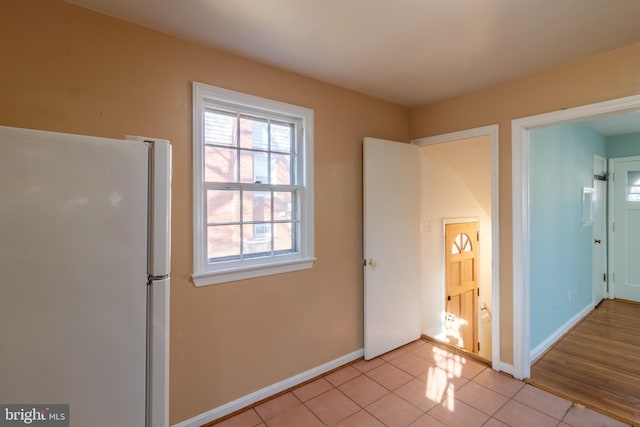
34,415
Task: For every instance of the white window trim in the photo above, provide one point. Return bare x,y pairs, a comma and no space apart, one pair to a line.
210,274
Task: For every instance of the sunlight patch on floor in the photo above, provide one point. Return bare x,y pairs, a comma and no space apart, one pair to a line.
439,387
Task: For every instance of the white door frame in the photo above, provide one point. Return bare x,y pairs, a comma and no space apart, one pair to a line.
520,194
492,132
599,231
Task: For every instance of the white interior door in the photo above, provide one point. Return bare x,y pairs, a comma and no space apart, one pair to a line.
626,227
391,245
599,229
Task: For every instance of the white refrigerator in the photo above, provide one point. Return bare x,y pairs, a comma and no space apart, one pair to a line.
84,276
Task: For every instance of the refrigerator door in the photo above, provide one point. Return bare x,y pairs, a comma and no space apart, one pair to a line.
73,268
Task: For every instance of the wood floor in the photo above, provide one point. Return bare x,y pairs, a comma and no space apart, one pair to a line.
598,362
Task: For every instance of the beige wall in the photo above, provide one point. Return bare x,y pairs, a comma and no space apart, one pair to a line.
68,69
603,77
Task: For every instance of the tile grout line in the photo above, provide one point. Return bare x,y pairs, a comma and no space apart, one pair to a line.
491,416
567,412
538,410
364,408
336,387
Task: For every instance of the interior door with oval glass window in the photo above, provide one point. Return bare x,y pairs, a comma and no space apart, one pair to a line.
461,277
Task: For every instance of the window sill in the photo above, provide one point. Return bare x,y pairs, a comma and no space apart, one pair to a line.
242,273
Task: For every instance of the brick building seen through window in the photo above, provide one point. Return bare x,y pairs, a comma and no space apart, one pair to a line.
259,219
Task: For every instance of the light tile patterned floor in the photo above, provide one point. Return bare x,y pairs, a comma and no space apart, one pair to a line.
418,385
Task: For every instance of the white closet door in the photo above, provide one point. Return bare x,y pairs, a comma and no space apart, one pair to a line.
391,245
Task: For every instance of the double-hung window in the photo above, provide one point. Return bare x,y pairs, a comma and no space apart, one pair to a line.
253,186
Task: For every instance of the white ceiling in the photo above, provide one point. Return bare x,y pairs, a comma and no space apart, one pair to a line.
411,52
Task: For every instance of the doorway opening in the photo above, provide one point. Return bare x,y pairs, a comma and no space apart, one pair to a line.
522,222
450,160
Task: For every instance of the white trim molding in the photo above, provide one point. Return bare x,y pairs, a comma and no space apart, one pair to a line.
558,333
506,368
491,131
207,272
461,220
271,390
520,193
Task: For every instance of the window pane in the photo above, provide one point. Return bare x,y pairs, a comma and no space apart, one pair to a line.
466,243
284,236
282,205
254,167
262,231
220,164
257,239
633,186
223,206
219,128
461,244
281,137
281,172
256,206
254,133
260,168
223,241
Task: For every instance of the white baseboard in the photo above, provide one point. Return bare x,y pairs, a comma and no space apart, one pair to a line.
555,336
268,391
506,368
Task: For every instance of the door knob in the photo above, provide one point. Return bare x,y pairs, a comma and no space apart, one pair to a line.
597,241
372,262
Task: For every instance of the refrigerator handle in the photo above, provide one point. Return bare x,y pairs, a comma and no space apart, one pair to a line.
160,215
159,205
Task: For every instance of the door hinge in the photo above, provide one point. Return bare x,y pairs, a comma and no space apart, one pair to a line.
613,227
604,277
478,345
478,291
448,297
602,177
477,236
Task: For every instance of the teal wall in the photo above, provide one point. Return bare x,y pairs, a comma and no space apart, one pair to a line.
623,145
561,164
